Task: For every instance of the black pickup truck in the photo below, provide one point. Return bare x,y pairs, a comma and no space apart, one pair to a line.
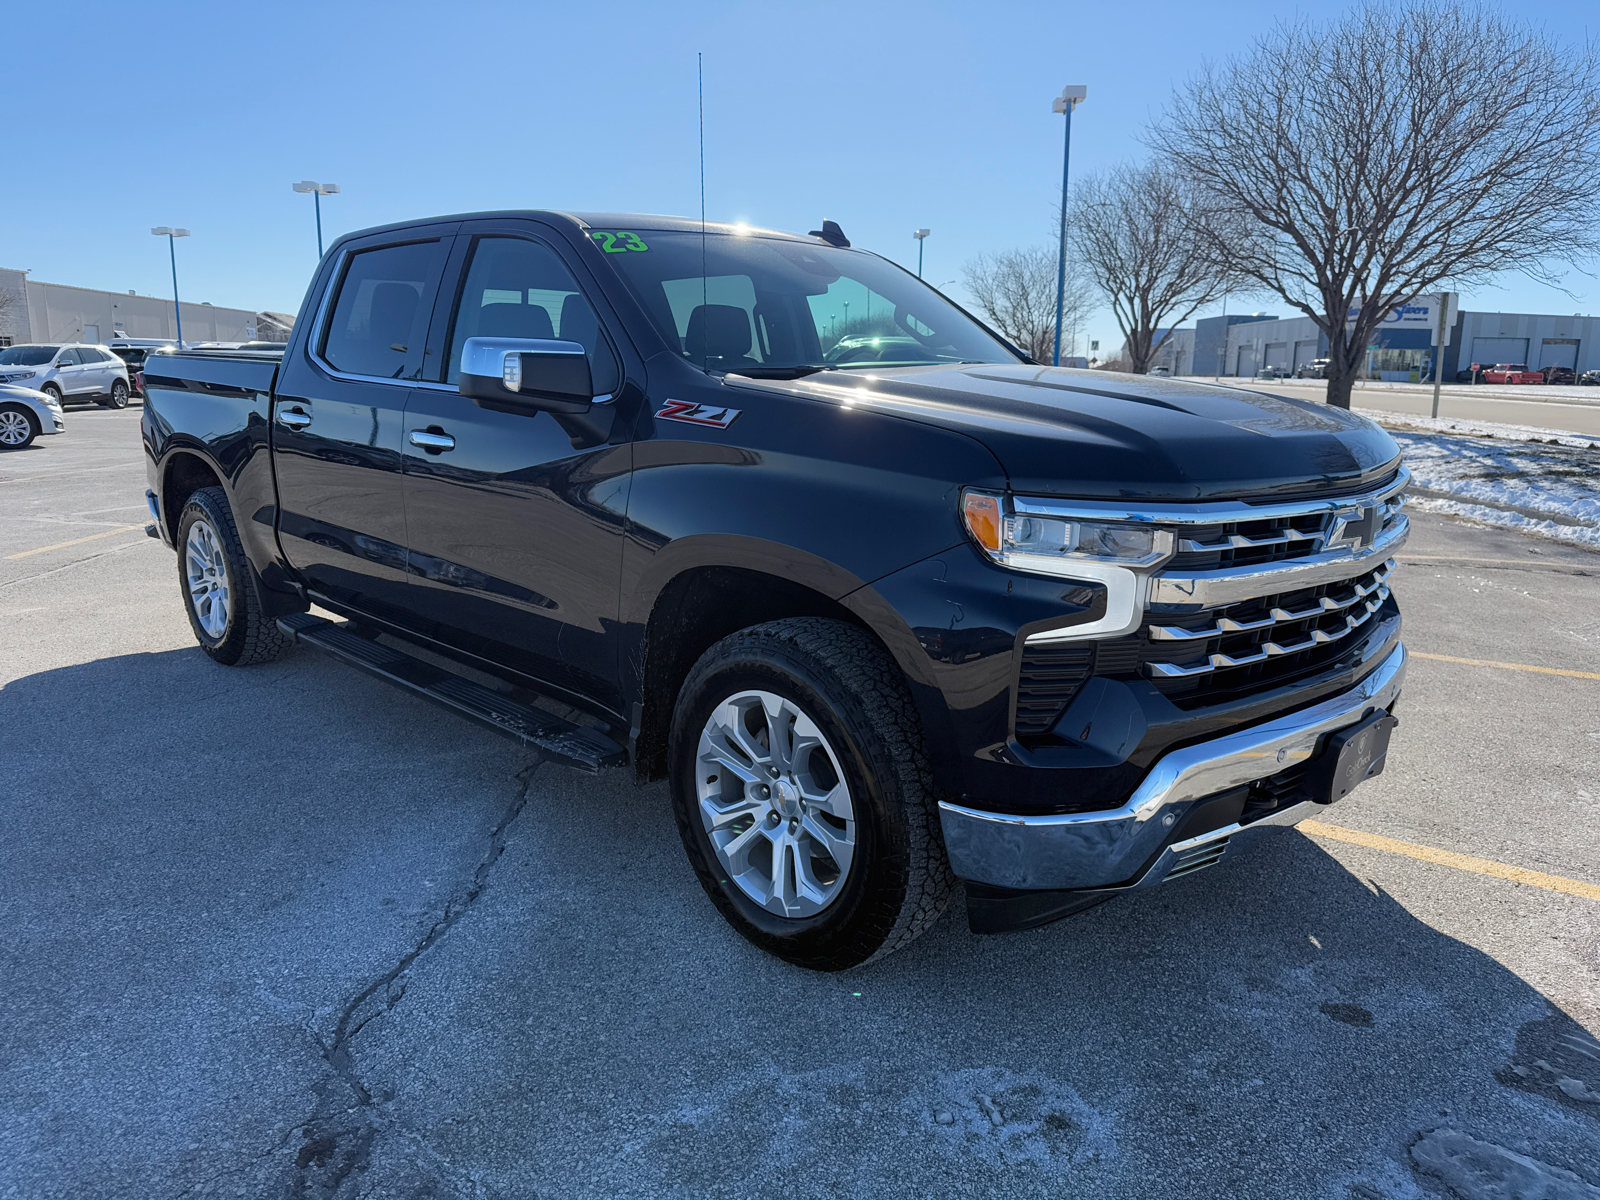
888,603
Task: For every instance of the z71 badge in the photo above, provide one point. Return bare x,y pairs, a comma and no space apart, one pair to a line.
698,414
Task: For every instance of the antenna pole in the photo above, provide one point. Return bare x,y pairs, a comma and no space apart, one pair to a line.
700,72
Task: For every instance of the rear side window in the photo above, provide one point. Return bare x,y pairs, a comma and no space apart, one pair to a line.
517,288
380,316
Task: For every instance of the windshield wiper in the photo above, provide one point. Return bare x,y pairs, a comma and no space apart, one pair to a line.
797,371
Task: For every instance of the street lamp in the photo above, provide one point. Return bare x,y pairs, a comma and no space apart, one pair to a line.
169,233
922,236
318,190
1071,96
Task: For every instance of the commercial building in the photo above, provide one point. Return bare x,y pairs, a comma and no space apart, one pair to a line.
1402,349
1176,353
1211,342
31,311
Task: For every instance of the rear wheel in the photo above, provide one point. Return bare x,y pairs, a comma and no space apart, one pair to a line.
803,793
18,427
119,395
220,591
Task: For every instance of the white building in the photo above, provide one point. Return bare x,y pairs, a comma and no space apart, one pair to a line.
31,311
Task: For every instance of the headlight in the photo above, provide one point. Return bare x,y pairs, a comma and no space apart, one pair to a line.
12,378
1056,545
1119,555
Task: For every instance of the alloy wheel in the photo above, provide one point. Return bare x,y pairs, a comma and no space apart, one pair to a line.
14,428
775,804
205,569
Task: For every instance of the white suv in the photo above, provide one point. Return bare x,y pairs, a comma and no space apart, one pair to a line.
68,372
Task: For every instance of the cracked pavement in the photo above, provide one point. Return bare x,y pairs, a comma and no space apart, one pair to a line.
284,932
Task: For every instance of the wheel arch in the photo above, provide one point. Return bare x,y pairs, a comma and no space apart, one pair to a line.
182,475
683,612
692,611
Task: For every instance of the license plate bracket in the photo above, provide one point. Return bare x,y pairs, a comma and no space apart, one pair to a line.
1351,756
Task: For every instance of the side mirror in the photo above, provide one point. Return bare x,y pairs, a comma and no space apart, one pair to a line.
527,375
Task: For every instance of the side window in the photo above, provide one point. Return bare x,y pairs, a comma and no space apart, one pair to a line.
69,358
381,313
519,289
90,355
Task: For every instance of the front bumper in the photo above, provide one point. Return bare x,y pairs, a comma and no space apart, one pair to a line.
1124,848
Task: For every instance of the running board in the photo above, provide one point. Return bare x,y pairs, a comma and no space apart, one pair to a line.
559,740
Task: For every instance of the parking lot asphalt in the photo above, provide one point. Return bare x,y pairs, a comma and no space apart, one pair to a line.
286,932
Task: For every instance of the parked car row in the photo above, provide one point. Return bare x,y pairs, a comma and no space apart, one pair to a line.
1503,373
73,371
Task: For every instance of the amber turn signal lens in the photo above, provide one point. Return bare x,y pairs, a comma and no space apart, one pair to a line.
982,515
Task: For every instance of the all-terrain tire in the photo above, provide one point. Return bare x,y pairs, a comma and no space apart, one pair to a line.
249,635
899,881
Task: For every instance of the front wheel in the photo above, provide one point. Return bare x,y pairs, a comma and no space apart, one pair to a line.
119,395
803,793
220,593
53,392
18,427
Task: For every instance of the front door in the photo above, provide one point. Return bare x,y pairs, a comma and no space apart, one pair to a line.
515,536
71,377
337,425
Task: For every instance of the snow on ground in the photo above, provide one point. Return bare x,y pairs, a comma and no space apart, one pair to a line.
1540,481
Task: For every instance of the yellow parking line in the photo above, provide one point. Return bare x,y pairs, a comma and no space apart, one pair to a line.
74,542
1483,662
1526,562
1461,862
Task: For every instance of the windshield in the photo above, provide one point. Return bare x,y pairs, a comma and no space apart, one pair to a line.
27,356
764,305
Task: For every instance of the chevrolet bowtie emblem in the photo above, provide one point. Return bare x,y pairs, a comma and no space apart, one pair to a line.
1356,528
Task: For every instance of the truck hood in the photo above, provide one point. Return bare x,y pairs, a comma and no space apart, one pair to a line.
1094,434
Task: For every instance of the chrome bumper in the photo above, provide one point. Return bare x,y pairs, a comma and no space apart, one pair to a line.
1109,848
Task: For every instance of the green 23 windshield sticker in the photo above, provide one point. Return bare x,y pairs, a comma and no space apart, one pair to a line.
617,243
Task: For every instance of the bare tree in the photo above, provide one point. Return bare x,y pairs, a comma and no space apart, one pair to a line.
1359,165
8,304
1145,242
1016,291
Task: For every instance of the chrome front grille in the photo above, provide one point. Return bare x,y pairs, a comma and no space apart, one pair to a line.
1263,642
1298,624
1255,597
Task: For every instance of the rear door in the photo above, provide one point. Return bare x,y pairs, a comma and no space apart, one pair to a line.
515,536
97,369
337,417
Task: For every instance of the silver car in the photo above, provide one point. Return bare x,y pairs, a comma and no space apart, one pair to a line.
25,414
68,372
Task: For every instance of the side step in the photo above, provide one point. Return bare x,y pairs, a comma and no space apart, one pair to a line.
560,740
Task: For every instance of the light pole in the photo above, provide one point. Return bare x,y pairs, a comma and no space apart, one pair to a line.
318,190
169,233
922,236
1071,96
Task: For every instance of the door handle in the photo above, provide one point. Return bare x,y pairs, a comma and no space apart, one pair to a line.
435,443
292,418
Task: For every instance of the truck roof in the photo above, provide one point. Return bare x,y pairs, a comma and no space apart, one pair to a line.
592,220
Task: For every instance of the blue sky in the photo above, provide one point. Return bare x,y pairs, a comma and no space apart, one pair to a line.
881,116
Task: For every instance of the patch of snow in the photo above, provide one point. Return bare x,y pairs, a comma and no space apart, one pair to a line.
1532,480
1478,1170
